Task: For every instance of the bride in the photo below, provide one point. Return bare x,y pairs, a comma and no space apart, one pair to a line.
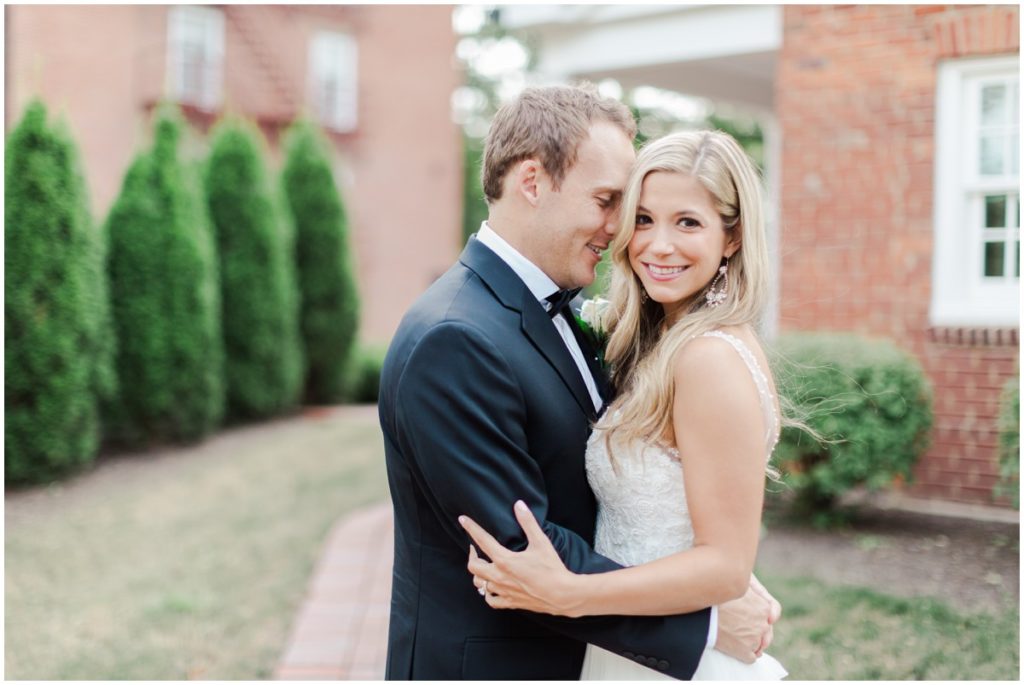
678,461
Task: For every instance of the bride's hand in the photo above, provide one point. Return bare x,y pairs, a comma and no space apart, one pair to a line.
534,579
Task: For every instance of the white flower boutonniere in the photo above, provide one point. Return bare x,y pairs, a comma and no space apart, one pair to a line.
593,312
592,321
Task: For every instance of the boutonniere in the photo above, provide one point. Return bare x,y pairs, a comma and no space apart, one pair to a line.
591,320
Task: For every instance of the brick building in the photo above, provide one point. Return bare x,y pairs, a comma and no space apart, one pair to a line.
379,79
892,137
900,192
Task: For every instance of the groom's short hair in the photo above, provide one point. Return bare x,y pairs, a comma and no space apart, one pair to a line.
547,123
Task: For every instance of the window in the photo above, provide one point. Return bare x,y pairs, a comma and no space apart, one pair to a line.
976,271
333,80
195,55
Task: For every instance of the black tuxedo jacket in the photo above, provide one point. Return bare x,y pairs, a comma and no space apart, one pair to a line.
481,404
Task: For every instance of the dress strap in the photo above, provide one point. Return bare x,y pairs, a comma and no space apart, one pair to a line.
764,392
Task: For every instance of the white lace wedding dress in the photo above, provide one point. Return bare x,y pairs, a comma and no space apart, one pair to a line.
642,516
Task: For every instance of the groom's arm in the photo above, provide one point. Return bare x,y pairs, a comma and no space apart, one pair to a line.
461,417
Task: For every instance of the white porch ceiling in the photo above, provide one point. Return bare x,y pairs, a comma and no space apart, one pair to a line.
726,53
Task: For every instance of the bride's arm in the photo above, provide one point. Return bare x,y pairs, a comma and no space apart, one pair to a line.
719,433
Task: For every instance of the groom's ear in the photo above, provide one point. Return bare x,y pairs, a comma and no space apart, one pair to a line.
526,180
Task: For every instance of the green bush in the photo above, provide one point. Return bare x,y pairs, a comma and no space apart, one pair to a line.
329,312
366,365
474,206
165,299
1009,442
869,404
259,294
58,343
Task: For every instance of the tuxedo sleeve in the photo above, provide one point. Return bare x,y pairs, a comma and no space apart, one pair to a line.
461,416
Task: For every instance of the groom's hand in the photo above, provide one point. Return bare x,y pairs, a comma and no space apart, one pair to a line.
775,609
745,624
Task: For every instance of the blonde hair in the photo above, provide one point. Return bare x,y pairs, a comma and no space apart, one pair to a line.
548,123
642,360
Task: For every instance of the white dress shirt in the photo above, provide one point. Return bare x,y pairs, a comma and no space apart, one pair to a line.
541,286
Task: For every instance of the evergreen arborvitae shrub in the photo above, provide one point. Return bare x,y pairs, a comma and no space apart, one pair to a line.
165,299
329,310
259,294
58,356
867,400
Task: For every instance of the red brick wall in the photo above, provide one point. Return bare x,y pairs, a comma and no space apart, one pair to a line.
855,95
104,68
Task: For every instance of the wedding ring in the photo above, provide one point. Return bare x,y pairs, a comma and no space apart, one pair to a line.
483,589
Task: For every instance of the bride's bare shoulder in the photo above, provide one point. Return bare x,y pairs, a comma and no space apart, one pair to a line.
708,360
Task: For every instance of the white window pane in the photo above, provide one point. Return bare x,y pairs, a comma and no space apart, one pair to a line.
994,105
333,77
992,152
195,55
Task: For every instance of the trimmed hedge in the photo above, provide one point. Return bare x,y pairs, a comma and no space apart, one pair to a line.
1009,442
58,343
366,367
867,400
165,299
329,312
259,294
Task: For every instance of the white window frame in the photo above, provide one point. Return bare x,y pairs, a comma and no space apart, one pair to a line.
961,294
205,26
333,59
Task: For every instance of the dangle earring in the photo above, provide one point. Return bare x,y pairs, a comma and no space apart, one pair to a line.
643,295
716,296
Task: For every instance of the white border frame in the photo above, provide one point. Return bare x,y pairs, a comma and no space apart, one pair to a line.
960,297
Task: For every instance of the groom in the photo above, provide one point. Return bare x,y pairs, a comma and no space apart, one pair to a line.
488,393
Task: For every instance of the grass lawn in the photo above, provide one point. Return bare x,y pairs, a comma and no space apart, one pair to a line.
188,563
191,563
846,633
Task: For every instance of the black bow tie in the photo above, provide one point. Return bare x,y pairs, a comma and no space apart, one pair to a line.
560,300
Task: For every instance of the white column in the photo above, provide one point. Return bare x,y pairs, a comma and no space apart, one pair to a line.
773,201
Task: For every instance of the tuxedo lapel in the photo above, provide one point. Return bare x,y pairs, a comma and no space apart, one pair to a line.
537,326
541,331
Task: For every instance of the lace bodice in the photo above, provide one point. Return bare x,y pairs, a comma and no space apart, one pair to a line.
642,513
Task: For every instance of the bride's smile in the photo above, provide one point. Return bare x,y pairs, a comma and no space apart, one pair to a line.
679,239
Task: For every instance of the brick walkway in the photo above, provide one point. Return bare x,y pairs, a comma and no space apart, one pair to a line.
340,633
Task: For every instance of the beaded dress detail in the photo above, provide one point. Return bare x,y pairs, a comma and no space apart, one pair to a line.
643,516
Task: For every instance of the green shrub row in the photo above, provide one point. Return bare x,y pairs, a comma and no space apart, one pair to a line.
58,345
165,298
202,297
329,311
865,409
258,286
